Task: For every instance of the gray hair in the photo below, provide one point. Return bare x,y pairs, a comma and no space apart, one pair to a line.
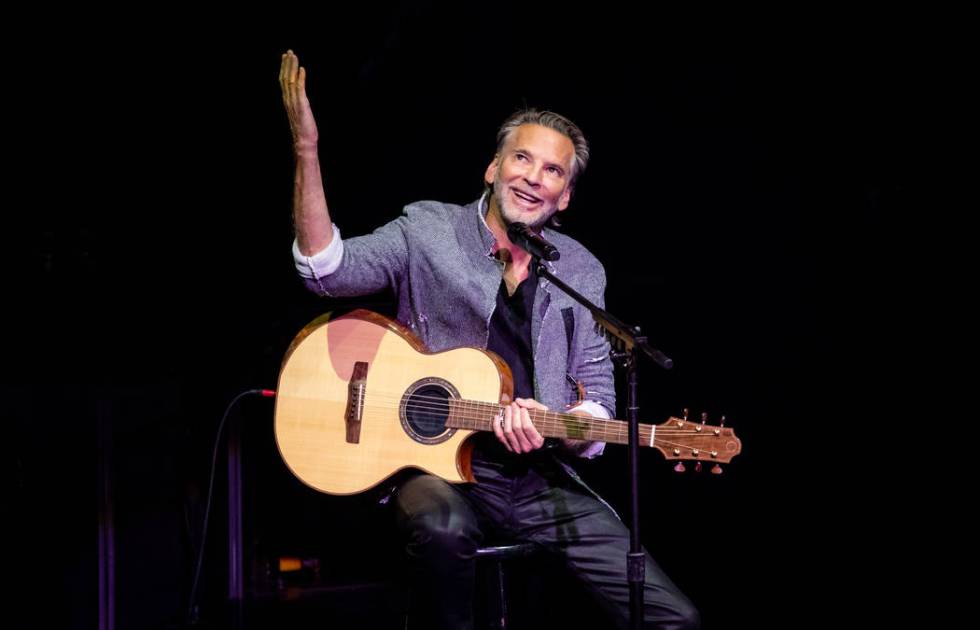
554,121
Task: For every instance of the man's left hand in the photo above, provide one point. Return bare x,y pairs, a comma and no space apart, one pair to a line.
517,432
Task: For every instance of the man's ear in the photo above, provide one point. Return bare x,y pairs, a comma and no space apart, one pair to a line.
491,172
565,198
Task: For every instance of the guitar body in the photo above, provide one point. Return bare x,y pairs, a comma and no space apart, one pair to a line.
344,417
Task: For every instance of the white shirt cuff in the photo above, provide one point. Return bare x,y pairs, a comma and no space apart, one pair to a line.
595,409
324,262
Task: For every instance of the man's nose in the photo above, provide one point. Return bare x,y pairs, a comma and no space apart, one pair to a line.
533,175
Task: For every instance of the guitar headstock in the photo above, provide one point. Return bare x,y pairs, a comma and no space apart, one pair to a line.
685,439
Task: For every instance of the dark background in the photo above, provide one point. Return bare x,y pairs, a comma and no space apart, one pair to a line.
748,180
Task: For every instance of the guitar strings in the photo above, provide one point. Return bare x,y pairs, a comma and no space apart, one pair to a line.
441,403
596,425
479,410
385,413
480,421
607,428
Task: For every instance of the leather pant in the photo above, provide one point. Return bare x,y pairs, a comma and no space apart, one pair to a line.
523,498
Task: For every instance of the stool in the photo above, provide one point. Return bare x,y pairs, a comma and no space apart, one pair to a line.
495,556
497,584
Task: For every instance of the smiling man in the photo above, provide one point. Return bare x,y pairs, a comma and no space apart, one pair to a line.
533,171
460,281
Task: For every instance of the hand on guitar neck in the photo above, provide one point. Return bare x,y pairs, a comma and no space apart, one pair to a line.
516,431
514,427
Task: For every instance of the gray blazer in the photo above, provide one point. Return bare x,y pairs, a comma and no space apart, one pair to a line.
437,259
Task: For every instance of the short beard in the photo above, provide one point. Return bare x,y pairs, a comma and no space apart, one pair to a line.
499,193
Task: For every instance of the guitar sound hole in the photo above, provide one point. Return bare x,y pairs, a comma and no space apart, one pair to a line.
425,408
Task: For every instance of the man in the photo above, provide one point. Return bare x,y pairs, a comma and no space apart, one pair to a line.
460,281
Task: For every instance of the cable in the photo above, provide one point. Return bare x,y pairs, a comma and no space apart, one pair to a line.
192,609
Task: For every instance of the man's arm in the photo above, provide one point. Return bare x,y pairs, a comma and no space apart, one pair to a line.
593,368
311,217
327,264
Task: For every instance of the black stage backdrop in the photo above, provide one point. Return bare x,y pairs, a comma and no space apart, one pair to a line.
747,181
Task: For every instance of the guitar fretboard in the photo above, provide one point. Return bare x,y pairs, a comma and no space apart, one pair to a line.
480,416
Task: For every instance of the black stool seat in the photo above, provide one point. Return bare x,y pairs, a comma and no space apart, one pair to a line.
505,552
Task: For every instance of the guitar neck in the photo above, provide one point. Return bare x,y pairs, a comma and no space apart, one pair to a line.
480,416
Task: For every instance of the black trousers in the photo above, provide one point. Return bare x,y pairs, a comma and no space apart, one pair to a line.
525,498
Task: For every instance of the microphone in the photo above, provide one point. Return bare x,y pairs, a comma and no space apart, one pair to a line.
520,234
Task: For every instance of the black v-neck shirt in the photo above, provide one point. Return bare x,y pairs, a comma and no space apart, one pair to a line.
510,332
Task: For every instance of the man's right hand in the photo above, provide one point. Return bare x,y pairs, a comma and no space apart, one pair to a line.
314,231
292,81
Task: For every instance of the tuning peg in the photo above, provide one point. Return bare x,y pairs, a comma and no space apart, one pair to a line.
704,417
686,412
679,467
697,467
716,469
723,421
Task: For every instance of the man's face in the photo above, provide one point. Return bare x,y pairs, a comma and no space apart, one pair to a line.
531,175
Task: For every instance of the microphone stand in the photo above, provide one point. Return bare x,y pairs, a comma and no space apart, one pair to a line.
627,343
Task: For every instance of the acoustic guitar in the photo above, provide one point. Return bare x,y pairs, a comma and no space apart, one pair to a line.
360,398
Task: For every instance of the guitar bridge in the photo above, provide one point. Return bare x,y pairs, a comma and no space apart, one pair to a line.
355,402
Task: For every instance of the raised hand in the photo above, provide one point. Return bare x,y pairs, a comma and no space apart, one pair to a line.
292,81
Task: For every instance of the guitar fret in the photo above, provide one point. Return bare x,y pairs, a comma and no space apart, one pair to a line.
474,413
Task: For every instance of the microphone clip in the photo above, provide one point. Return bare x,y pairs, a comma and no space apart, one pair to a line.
523,236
